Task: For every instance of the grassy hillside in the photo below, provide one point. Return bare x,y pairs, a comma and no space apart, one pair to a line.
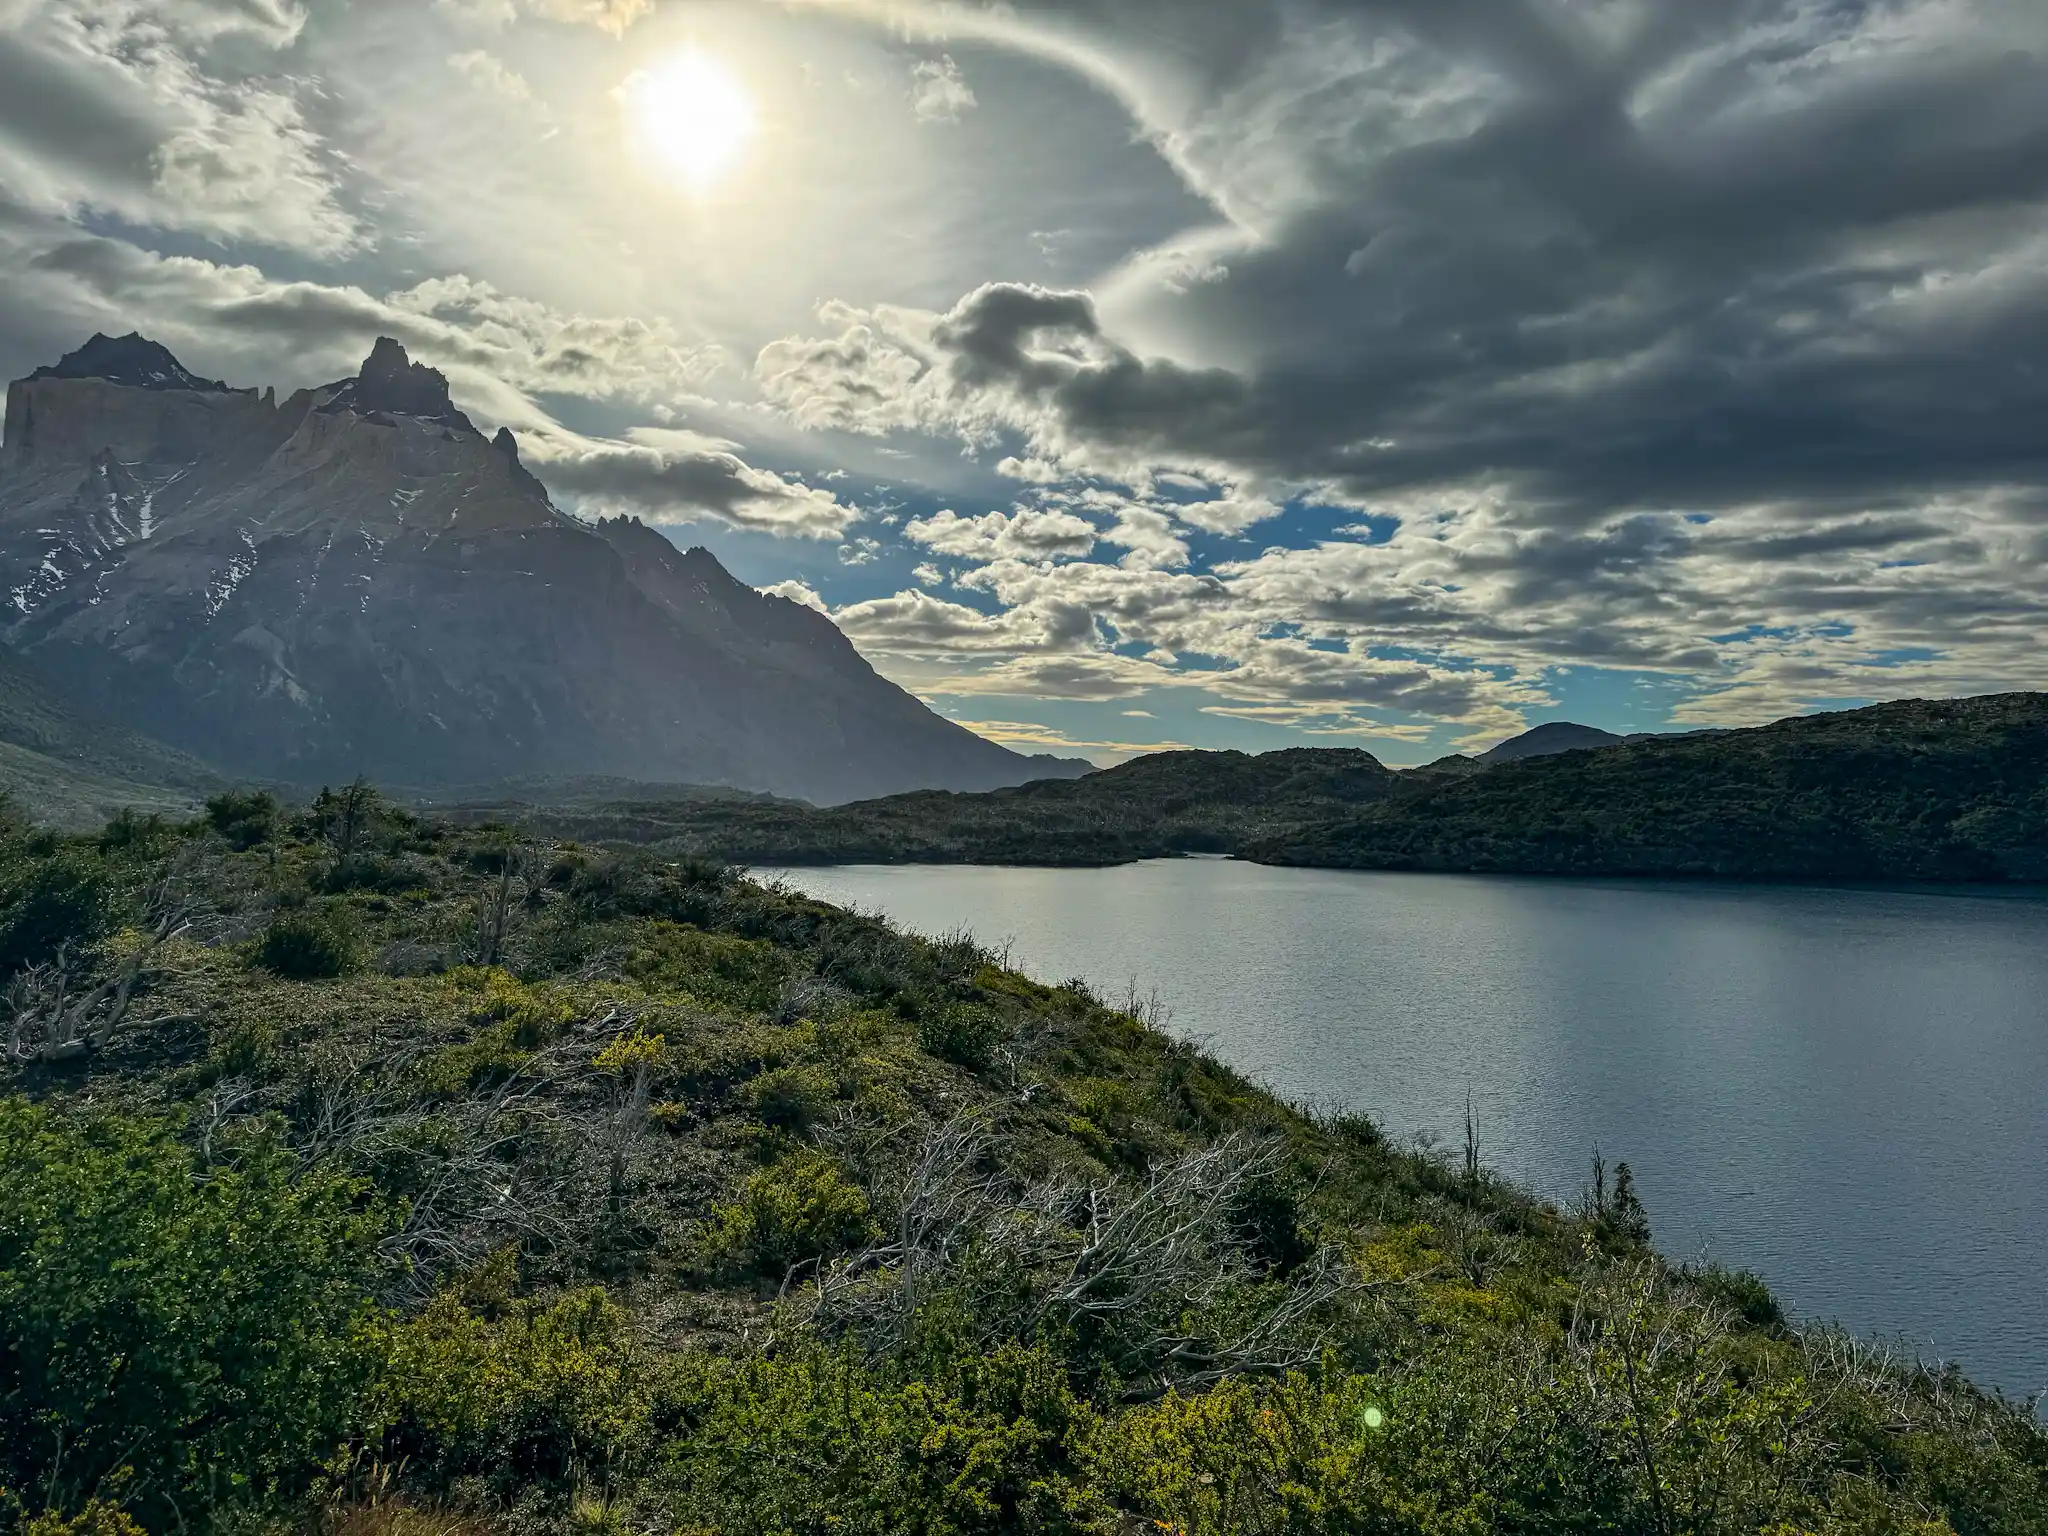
1152,807
69,770
373,1175
1922,790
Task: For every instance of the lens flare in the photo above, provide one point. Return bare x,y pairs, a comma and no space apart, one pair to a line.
692,114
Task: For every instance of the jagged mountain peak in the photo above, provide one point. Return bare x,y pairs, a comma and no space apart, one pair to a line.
133,360
391,383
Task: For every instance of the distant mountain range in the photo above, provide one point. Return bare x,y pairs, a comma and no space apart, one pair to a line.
357,580
1921,790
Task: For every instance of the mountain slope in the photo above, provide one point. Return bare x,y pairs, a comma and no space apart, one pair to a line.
358,581
69,771
1919,790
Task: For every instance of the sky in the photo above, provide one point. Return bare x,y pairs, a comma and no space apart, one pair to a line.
1123,374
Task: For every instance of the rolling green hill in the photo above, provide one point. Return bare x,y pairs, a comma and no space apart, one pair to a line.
1920,790
372,1176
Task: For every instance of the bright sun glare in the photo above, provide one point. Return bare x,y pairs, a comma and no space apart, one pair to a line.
693,114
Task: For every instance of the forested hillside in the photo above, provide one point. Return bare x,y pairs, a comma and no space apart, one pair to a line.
1947,789
1951,789
365,1174
1156,806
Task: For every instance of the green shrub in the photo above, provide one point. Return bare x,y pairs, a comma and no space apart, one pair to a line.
799,1209
1741,1291
512,1021
735,975
546,1390
1267,1217
792,1098
245,820
965,1034
172,1340
310,944
132,833
818,1441
65,897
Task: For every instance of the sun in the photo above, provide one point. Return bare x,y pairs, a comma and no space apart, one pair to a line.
692,114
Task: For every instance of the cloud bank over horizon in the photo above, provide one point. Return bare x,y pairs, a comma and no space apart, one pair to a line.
1359,372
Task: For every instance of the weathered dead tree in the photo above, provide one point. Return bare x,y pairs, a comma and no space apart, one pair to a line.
521,871
56,1012
1129,1263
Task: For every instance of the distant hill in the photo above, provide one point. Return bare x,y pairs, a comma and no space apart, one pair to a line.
69,770
1151,807
1924,790
357,580
1920,790
1544,740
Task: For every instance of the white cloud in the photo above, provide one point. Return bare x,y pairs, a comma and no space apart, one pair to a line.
939,93
114,106
613,16
488,72
1019,535
796,592
666,479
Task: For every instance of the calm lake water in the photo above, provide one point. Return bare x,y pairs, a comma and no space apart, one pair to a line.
1844,1090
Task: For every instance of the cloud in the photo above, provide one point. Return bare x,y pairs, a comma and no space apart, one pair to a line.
117,106
1028,735
1019,535
1642,350
918,624
666,480
487,72
612,16
496,348
498,352
939,93
797,592
1619,335
1150,537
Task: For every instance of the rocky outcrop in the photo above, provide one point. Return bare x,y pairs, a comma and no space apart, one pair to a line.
357,580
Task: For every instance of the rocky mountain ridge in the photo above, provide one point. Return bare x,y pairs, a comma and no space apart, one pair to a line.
357,580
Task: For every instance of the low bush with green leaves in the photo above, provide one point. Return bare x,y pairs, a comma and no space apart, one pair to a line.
177,1334
310,944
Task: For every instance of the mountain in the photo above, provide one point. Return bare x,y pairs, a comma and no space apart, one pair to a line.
1157,806
1544,740
1953,789
357,580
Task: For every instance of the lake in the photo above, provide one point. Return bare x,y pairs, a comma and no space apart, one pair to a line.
1844,1090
